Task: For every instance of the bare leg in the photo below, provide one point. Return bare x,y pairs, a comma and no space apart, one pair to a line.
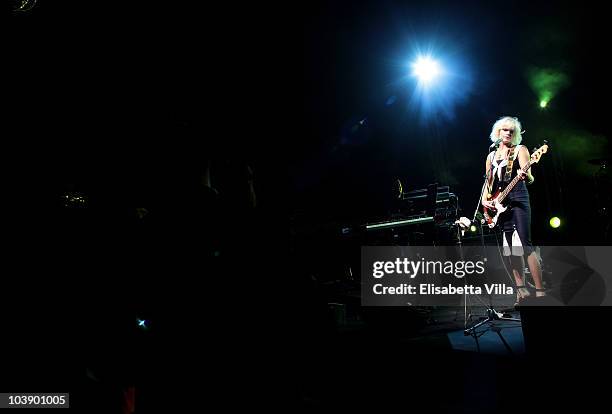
517,265
536,272
518,278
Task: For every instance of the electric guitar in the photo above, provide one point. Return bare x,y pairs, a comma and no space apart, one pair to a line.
492,214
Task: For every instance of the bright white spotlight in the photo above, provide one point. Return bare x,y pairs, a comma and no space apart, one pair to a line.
426,69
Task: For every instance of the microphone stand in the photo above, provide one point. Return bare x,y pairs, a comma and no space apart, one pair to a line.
460,232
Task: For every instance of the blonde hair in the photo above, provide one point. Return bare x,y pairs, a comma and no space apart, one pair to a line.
516,136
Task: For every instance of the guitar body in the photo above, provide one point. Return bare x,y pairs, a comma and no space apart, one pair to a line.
492,214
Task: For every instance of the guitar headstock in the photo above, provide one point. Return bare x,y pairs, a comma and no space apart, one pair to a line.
537,154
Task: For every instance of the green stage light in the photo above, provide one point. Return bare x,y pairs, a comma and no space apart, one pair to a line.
555,222
546,83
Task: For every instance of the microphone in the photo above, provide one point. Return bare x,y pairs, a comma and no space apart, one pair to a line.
495,144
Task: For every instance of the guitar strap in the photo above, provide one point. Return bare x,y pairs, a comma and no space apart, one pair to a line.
490,177
509,166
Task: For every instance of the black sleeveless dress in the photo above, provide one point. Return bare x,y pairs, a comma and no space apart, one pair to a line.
515,222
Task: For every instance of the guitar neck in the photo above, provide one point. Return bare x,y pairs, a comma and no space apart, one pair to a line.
513,183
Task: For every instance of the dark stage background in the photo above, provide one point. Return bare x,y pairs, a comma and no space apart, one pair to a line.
114,111
125,103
